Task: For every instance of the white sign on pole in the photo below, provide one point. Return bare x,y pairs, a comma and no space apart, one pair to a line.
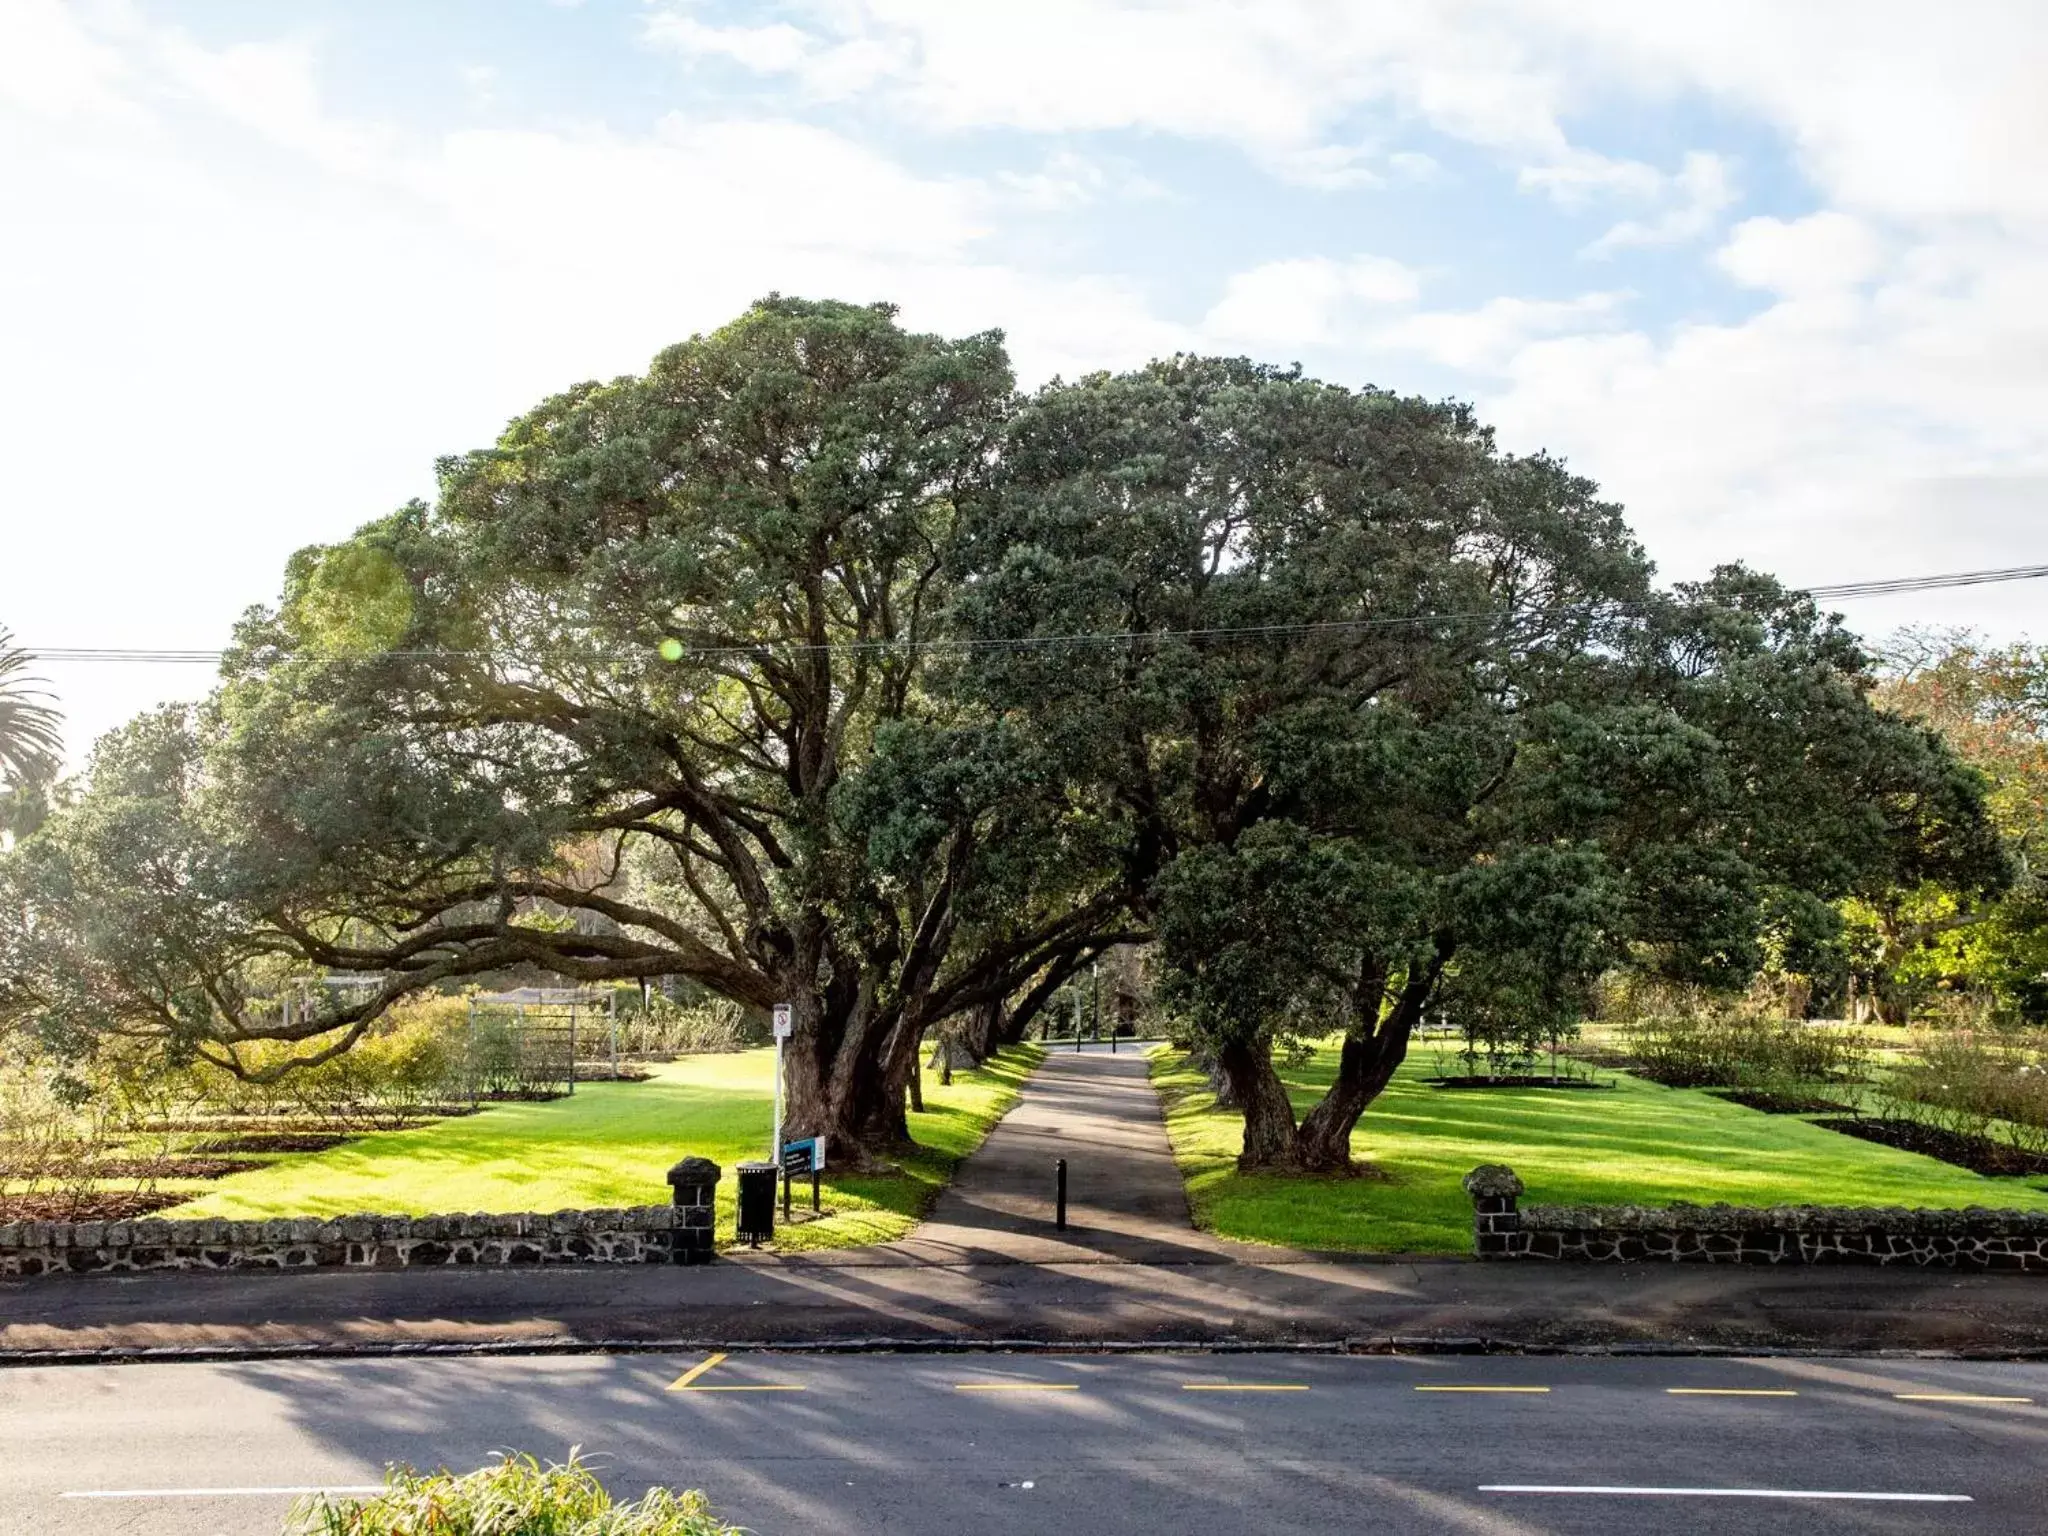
783,1029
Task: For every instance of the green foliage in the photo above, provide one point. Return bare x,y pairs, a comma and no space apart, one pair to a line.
1730,1047
515,1496
350,599
1913,942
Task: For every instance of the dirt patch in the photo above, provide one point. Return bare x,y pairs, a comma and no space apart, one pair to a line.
1979,1154
89,1206
1526,1080
261,1141
171,1167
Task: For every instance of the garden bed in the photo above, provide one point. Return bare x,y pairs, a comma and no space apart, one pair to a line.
1979,1154
1781,1103
90,1205
269,1141
1514,1080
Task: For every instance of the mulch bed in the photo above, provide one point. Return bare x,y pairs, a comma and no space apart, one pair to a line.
171,1167
260,1141
1781,1103
94,1206
1679,1077
1526,1080
1979,1154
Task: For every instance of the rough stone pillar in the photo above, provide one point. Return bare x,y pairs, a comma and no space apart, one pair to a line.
1496,1221
695,1183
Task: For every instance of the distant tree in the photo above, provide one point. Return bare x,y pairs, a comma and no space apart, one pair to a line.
1395,715
1990,704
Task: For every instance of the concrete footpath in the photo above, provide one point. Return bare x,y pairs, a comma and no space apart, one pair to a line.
988,1270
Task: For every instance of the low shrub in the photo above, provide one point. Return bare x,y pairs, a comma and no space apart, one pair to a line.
665,1028
516,1496
51,1142
1734,1048
1970,1083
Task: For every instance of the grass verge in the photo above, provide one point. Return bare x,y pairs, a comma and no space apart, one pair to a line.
1638,1143
609,1144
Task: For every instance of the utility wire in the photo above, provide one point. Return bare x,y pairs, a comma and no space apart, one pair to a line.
1842,592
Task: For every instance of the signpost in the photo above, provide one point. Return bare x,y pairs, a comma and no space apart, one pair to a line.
805,1156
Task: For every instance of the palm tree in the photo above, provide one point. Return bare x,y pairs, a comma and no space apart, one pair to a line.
30,745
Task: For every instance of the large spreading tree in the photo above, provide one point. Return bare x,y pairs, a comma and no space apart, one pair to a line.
1398,721
605,710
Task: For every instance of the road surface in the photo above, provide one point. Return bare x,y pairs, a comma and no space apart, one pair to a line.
910,1444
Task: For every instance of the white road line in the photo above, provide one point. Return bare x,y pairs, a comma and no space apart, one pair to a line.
352,1490
1727,1493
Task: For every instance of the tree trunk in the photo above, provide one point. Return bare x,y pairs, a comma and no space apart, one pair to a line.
1364,1068
837,1077
1269,1134
981,1031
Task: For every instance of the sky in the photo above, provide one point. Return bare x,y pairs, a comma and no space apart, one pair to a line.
1775,275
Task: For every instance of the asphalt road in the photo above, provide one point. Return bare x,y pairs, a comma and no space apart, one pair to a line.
907,1444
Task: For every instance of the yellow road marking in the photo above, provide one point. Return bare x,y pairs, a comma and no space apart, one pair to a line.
687,1382
1016,1386
1955,1397
1482,1389
684,1380
1731,1391
1243,1386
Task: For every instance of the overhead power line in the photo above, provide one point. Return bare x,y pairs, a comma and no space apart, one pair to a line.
1841,592
1854,589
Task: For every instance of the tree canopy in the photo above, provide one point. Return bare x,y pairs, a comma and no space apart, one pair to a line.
818,665
1402,720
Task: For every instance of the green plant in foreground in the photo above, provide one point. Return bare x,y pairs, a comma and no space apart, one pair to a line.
516,1496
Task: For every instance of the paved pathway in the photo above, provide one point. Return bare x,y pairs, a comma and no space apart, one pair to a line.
1125,1199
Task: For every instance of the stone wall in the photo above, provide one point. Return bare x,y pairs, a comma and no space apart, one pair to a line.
1975,1238
654,1234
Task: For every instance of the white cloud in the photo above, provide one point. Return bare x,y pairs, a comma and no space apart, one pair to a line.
1579,177
1700,192
828,70
1820,252
1278,80
53,67
1068,180
1311,301
1489,339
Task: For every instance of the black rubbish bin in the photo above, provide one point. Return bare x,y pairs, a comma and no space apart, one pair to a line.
757,1202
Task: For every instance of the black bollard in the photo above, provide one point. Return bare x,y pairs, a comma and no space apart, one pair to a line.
1059,1177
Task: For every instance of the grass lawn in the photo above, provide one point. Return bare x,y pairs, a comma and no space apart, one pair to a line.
1638,1143
609,1144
